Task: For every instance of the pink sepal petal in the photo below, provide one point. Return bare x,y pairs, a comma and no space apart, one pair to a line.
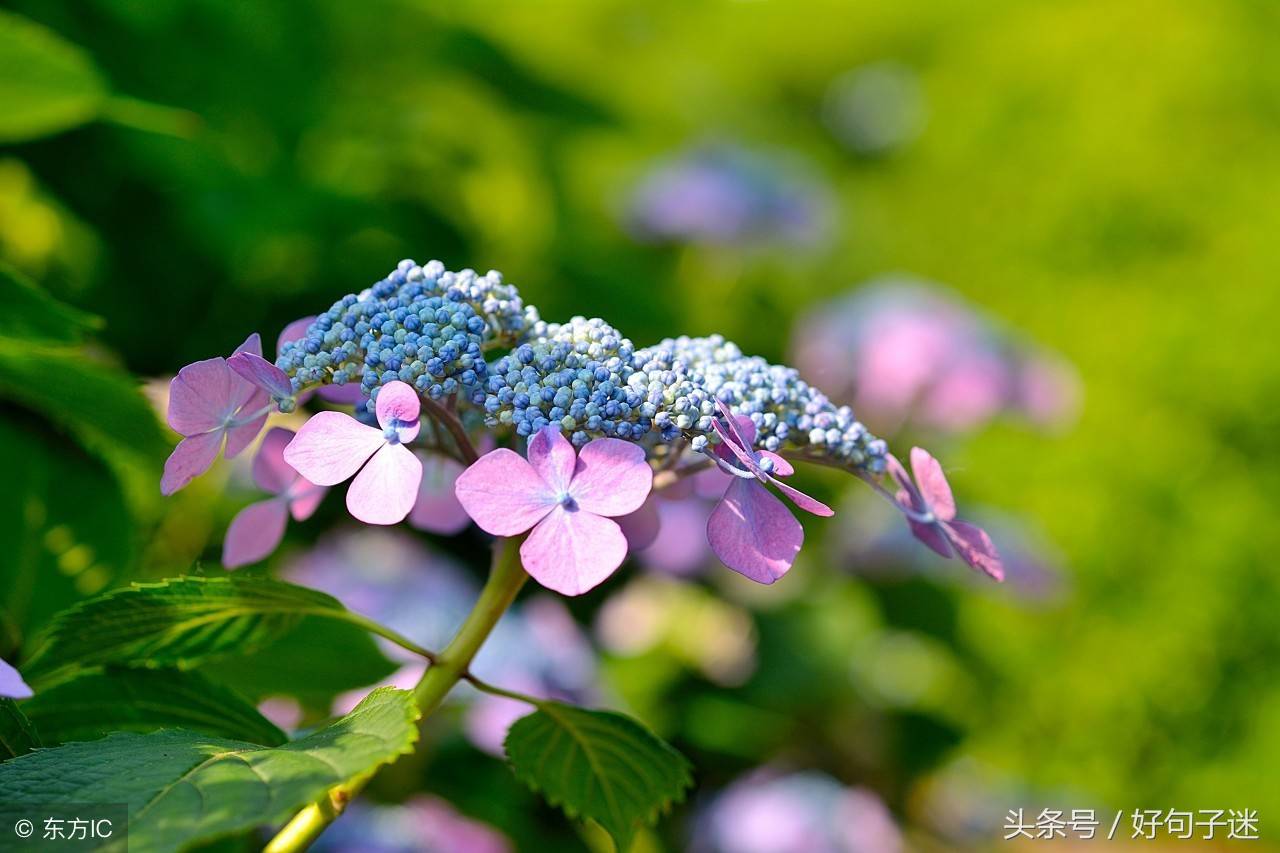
270,471
199,397
11,684
753,532
331,446
802,500
976,548
933,484
437,509
729,445
398,405
252,344
908,496
931,535
191,458
240,437
385,489
781,467
573,551
552,456
741,427
611,477
261,373
642,526
305,498
255,532
503,494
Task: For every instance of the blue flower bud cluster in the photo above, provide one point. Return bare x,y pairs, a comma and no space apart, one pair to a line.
423,325
575,376
685,375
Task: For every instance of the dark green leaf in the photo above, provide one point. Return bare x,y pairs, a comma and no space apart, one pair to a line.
177,623
313,663
64,523
100,404
599,765
183,788
47,84
17,734
143,700
31,313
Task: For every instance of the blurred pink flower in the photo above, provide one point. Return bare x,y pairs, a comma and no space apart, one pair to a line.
332,446
902,351
257,529
422,824
566,501
437,509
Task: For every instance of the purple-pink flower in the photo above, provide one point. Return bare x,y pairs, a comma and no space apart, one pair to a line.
931,511
333,446
438,509
11,684
751,530
208,402
567,501
258,528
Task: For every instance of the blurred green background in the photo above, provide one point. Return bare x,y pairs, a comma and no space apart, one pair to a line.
1100,176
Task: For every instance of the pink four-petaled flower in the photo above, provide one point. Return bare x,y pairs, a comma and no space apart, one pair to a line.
752,531
567,500
258,528
931,511
332,446
207,403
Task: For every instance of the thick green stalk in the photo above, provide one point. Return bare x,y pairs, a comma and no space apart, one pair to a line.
506,576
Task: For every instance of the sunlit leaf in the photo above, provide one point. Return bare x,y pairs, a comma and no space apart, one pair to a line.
47,84
98,702
597,764
183,788
179,623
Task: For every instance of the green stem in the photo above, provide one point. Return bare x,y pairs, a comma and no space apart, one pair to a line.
506,576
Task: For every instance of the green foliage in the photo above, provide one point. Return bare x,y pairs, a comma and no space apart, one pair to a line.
17,735
180,622
112,699
313,662
67,528
599,765
184,788
47,84
31,314
99,404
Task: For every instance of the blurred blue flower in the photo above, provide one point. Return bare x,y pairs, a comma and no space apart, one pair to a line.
423,824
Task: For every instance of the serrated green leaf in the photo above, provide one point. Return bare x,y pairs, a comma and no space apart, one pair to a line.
33,314
176,623
47,84
17,734
113,699
101,405
597,764
301,664
183,788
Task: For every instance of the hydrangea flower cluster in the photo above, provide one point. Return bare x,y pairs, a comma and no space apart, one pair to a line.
421,325
604,426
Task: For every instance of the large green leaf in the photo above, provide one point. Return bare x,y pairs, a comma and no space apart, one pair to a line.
101,405
313,663
177,623
183,788
17,735
47,84
31,313
599,765
66,528
98,702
